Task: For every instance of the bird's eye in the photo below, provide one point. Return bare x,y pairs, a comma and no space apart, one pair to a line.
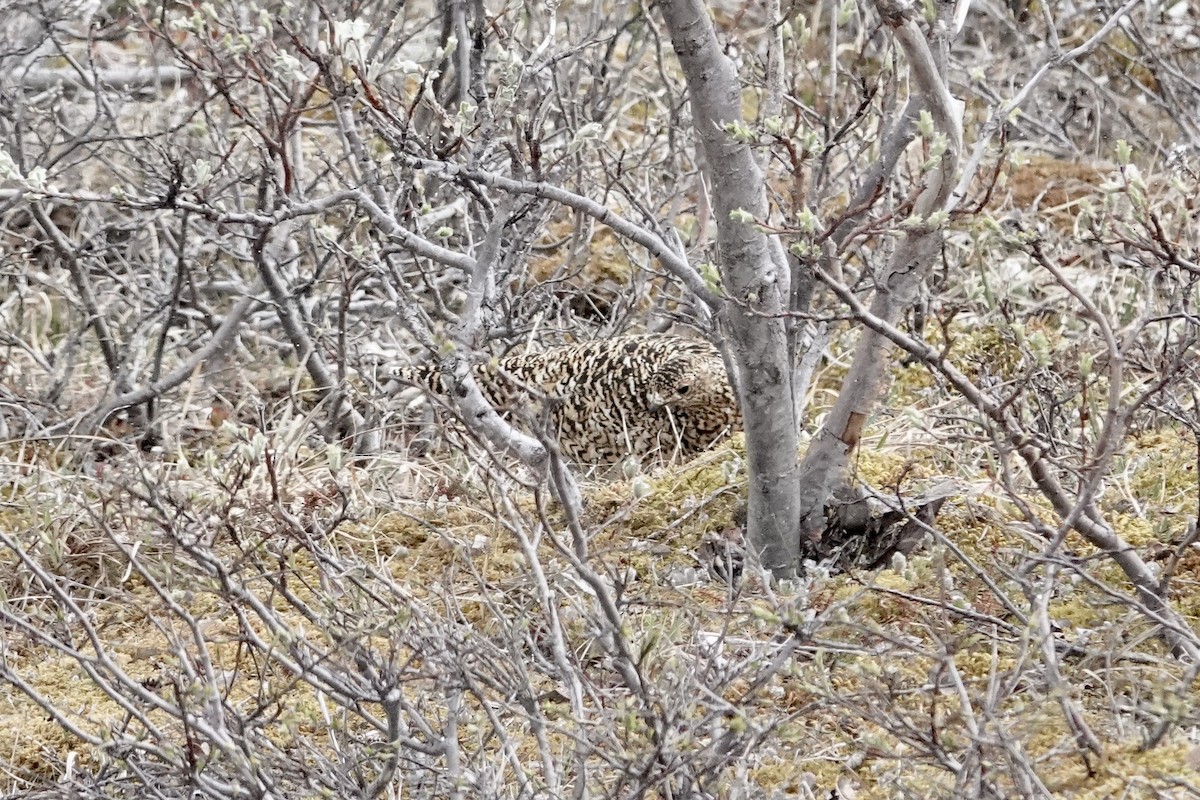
682,390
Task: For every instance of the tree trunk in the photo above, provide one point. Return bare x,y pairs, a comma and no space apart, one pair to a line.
897,283
756,281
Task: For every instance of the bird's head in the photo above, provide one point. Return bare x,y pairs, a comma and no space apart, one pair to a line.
688,381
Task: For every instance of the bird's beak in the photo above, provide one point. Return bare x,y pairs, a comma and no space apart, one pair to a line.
655,401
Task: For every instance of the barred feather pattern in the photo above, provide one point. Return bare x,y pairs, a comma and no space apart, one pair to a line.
639,395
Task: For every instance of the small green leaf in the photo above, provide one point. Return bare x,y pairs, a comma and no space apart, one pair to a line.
925,124
1124,152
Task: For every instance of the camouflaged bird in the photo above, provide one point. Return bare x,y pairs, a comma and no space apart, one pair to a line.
630,395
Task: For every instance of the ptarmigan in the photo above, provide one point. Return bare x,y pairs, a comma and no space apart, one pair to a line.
630,395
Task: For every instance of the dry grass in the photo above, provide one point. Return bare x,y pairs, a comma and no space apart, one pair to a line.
858,701
245,600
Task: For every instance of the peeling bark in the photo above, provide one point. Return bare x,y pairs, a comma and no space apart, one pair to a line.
897,283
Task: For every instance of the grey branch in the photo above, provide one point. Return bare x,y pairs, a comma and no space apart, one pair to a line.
896,284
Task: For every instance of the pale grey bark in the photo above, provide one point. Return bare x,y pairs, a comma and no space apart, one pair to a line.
345,419
1000,115
478,413
221,339
756,281
1076,509
896,283
667,255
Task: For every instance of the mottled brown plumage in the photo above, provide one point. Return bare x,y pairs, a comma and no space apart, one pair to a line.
630,395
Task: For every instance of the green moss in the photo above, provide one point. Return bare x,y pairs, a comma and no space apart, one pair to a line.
1161,469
